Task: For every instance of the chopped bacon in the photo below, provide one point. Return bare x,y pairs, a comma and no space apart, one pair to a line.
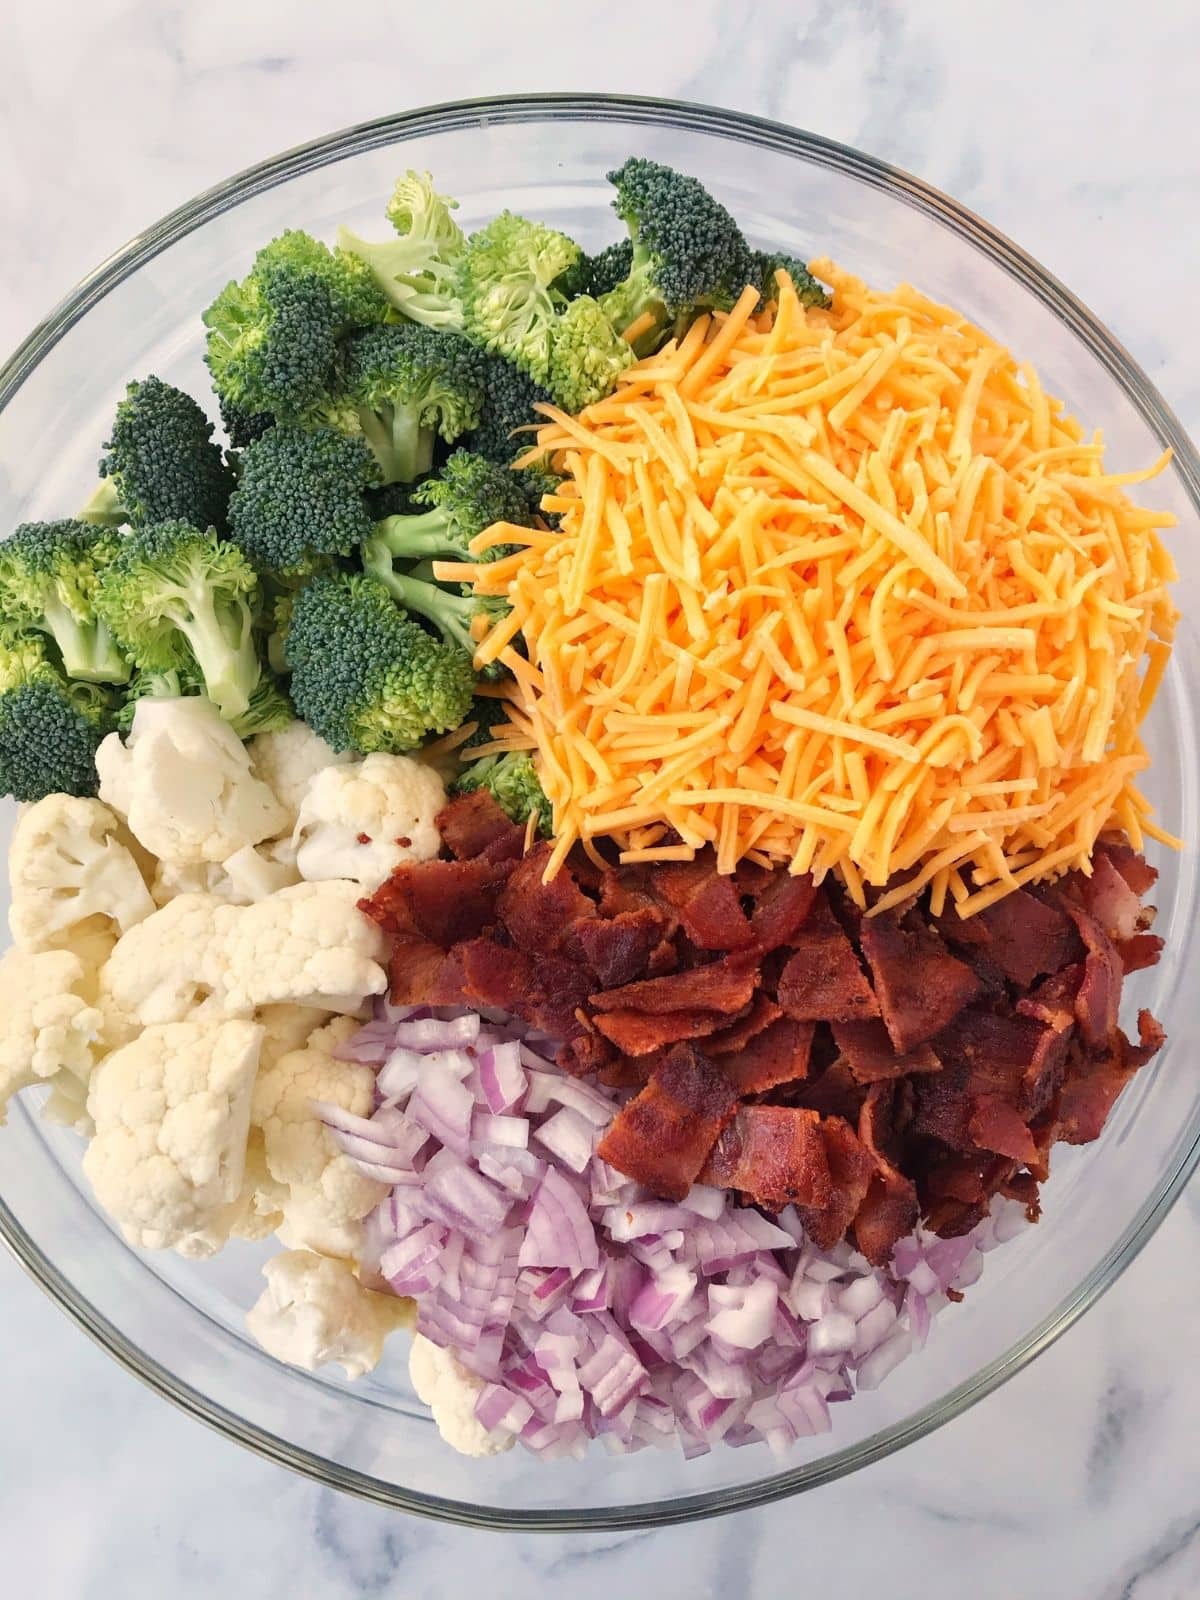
920,986
822,980
761,1014
415,971
836,1092
663,1136
1138,953
997,1125
872,1056
780,908
1134,868
779,1054
585,1053
495,975
1109,898
1099,997
851,1168
537,915
472,823
637,1033
725,986
707,904
618,949
1027,937
773,1154
446,901
888,1212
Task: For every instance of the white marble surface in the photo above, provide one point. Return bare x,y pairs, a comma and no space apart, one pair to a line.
1073,127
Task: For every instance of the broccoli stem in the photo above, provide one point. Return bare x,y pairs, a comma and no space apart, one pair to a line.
425,533
404,450
104,508
87,648
225,655
452,614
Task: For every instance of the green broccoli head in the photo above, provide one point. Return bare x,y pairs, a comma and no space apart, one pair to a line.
301,497
808,290
162,461
49,575
688,252
177,598
608,268
268,711
467,496
512,781
243,427
507,275
587,356
409,384
365,676
458,615
415,271
49,727
509,398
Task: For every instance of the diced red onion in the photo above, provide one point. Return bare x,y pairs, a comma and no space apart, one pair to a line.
443,1106
559,1232
570,1136
744,1317
502,1077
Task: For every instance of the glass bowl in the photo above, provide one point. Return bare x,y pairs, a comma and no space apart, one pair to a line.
179,1325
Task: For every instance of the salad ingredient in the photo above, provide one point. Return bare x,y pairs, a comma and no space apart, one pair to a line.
49,574
466,497
67,865
177,598
510,396
299,499
361,820
308,945
50,728
161,463
182,781
506,277
366,677
315,1311
512,781
460,618
172,1115
452,1392
49,1027
417,270
169,963
587,357
249,874
941,670
287,759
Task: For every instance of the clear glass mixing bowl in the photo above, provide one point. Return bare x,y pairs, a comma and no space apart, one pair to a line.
179,1325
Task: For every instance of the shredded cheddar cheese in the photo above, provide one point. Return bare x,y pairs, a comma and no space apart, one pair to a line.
843,589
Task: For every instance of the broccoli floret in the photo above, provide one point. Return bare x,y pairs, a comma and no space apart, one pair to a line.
468,495
243,427
688,252
365,676
177,598
609,267
454,612
808,290
49,727
416,271
269,707
587,356
162,462
506,275
273,337
508,401
512,781
49,572
409,384
301,497
103,508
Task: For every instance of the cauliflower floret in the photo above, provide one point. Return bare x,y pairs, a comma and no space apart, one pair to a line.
183,782
67,867
172,1115
249,874
361,821
286,761
286,1028
48,1027
309,945
166,966
450,1390
314,1311
325,1190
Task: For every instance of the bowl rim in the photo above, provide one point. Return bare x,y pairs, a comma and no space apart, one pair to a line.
1087,328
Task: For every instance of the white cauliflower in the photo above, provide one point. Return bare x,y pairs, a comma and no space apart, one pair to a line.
285,761
172,1116
48,1027
183,782
169,964
249,874
362,820
309,945
326,1193
67,866
286,1028
315,1311
451,1390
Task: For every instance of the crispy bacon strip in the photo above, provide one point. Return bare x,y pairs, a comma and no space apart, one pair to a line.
774,1155
663,1136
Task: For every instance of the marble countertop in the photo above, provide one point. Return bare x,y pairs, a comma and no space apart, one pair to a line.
1072,127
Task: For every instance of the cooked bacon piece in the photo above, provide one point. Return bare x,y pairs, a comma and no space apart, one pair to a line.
724,986
706,903
1093,1082
872,1056
781,907
637,1033
1026,937
415,972
779,1054
850,1171
1142,951
495,975
822,980
1053,1000
761,1014
1109,898
473,823
773,1154
997,1125
585,1053
628,889
539,916
618,949
836,1092
1134,868
920,986
628,1072
445,901
888,1212
1099,997
663,1136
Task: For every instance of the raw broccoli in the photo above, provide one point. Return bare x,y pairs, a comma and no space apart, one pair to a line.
512,781
587,355
407,385
243,427
688,252
506,275
269,708
610,267
162,462
455,612
509,398
273,337
177,598
416,271
49,727
49,572
808,290
365,676
468,495
301,498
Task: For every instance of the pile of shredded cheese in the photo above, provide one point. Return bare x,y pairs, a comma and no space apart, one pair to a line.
844,589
